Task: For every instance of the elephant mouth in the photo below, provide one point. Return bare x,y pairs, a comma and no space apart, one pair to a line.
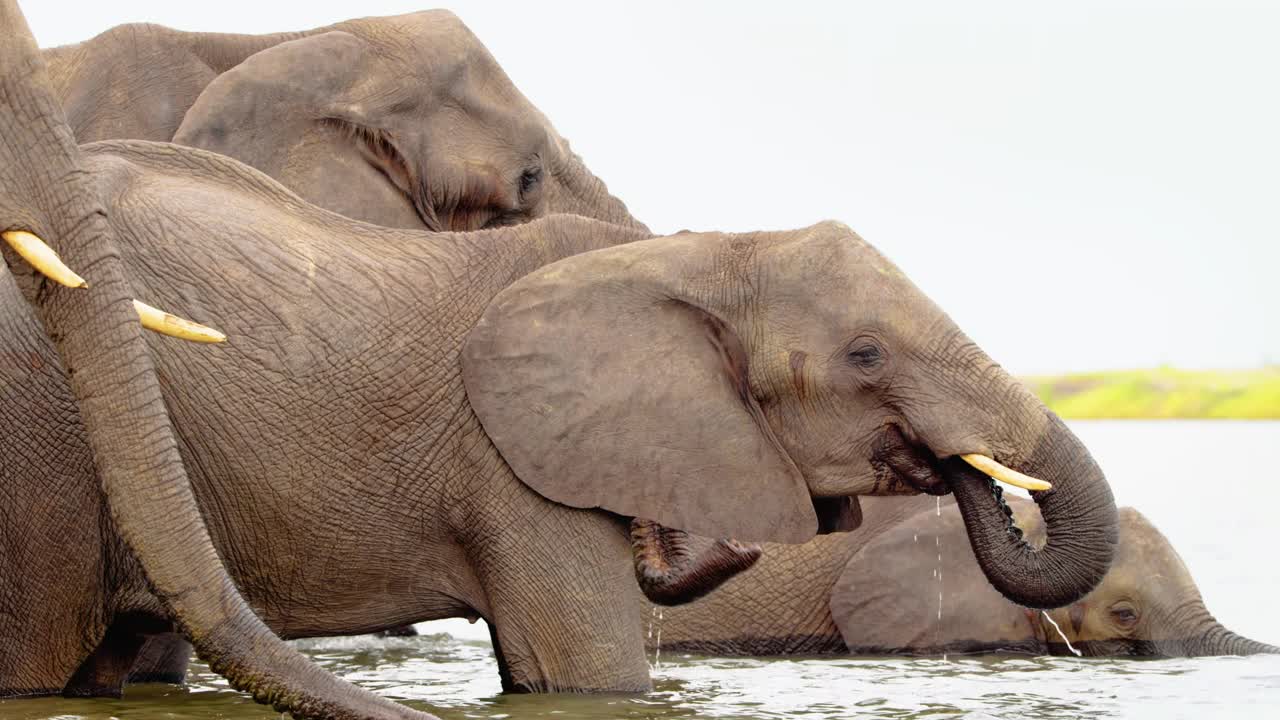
901,464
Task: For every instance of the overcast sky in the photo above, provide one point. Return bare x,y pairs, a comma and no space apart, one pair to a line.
1081,186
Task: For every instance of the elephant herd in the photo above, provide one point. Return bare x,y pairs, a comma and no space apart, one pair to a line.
459,379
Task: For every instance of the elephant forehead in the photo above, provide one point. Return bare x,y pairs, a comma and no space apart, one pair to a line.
1145,554
437,36
834,260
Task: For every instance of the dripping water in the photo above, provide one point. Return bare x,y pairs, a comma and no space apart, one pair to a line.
657,645
937,573
1061,634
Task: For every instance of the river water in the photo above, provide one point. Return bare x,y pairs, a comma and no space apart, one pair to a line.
1211,487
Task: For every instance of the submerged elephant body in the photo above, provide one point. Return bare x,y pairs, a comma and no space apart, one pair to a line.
906,583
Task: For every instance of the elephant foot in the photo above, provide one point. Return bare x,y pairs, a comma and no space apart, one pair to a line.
668,571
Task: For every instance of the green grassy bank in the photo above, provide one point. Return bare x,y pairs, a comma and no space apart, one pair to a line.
1163,393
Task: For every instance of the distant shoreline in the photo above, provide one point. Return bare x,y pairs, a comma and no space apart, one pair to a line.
1162,393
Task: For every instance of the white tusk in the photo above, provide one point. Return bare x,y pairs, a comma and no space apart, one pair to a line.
172,325
43,258
1004,474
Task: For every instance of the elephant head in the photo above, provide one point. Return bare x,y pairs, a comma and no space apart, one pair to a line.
718,383
404,121
47,195
887,597
1146,605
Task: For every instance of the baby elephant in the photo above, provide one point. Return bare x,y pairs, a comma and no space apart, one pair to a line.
901,584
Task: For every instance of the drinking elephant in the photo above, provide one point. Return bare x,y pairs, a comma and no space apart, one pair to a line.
404,121
902,585
405,425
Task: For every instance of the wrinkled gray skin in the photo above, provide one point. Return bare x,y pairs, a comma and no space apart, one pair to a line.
470,400
405,121
95,489
874,591
337,413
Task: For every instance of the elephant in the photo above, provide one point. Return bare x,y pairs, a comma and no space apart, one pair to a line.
405,425
77,376
405,121
901,585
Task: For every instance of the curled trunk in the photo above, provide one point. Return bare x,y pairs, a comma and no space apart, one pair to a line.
45,190
1079,520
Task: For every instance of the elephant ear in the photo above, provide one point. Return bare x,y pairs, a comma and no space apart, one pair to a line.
605,383
918,589
298,112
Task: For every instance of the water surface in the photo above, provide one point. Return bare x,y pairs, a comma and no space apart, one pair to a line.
1211,487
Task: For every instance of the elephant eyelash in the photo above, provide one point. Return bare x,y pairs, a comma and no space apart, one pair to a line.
865,355
528,179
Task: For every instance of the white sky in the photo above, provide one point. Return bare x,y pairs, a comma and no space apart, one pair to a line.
1084,185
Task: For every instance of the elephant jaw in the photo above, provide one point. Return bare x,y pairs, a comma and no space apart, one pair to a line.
669,571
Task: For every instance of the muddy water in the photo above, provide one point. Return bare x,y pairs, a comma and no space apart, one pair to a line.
1174,471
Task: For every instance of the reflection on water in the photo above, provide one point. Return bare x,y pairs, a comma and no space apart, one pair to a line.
1174,472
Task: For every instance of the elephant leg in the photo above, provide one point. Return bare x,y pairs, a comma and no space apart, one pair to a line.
49,623
163,659
36,659
671,573
52,559
562,601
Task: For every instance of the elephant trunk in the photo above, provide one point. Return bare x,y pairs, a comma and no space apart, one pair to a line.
1232,644
45,190
1218,640
1079,518
576,191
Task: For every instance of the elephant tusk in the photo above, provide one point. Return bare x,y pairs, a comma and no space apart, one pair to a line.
1004,474
172,325
42,257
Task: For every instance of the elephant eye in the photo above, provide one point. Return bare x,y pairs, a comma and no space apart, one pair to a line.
865,356
1124,616
529,178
